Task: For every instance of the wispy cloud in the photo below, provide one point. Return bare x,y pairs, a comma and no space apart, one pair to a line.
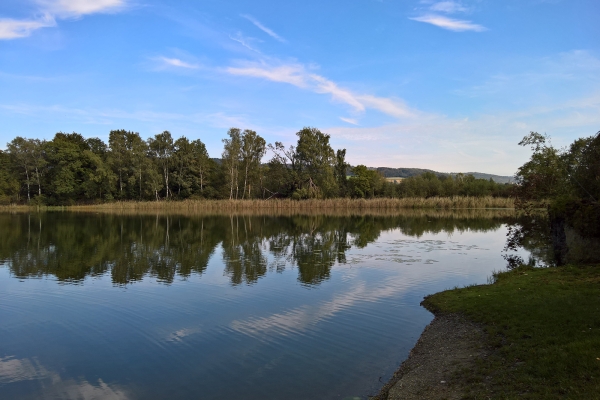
77,8
298,75
176,62
326,86
449,7
293,74
14,29
297,320
263,28
53,10
451,24
244,41
349,120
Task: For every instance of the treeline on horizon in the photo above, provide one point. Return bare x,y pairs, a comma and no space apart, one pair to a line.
70,169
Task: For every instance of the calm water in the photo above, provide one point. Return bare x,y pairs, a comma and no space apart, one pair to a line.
213,307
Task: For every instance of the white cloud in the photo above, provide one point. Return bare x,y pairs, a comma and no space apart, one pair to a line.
175,62
264,28
76,8
349,120
450,23
14,29
449,7
52,10
297,75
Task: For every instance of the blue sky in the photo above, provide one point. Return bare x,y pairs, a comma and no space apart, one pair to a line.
446,85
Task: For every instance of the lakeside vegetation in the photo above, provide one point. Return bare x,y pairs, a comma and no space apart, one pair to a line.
70,169
568,181
543,333
275,205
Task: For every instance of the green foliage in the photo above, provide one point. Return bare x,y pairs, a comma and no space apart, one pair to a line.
161,149
543,326
314,163
430,185
9,185
365,183
340,172
231,160
252,151
557,175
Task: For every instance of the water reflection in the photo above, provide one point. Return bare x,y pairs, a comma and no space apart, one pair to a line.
108,330
13,370
72,246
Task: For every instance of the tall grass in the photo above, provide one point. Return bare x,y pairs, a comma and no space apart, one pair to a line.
325,204
361,205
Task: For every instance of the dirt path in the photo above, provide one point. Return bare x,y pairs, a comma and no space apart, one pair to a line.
448,345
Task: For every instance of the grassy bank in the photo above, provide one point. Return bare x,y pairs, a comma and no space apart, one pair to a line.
543,329
446,203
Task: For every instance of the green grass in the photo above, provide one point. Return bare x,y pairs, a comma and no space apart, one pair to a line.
543,330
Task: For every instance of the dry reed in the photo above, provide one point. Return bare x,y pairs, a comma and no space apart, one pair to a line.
388,204
324,204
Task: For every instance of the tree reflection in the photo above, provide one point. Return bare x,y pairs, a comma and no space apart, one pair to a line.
72,246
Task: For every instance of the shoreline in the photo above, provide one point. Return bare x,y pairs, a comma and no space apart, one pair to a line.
449,344
531,332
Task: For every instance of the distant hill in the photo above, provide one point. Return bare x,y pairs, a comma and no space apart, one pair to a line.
408,172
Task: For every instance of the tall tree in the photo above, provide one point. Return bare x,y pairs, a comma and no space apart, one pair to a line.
70,166
231,160
251,153
200,163
315,159
100,180
182,158
28,155
138,150
282,175
340,169
119,157
161,149
9,185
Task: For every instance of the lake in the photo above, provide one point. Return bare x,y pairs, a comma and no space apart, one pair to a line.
226,306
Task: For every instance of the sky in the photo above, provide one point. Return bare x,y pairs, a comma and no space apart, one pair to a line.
451,86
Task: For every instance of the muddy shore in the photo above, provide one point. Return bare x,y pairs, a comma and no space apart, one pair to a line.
437,365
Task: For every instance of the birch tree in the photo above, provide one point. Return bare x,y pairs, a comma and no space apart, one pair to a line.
161,149
252,151
231,160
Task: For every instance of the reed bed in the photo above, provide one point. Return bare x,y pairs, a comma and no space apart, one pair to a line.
387,204
476,213
315,204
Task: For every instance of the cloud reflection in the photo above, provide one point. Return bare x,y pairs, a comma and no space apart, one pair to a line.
303,318
13,370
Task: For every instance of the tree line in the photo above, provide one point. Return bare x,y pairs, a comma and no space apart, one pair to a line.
70,169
